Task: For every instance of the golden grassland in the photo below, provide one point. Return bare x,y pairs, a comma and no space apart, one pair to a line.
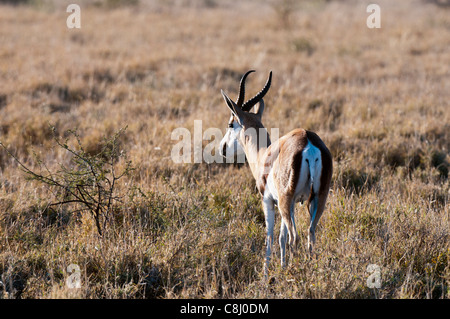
379,98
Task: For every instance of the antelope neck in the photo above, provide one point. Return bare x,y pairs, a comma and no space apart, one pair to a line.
256,153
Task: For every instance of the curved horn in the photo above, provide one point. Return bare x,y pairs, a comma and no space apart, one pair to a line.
240,99
250,103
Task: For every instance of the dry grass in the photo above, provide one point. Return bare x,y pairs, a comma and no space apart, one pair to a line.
378,98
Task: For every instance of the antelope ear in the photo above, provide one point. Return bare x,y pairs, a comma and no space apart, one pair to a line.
260,109
236,110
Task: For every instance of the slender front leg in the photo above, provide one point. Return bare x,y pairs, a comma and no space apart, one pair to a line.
269,212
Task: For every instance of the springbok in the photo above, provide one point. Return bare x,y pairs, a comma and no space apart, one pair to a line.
296,167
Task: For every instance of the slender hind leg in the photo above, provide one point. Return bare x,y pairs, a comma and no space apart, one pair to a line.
282,242
316,208
283,234
286,209
313,222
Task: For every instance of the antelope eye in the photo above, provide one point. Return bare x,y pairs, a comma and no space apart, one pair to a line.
230,125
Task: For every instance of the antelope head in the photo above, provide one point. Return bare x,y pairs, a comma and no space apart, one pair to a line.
241,118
